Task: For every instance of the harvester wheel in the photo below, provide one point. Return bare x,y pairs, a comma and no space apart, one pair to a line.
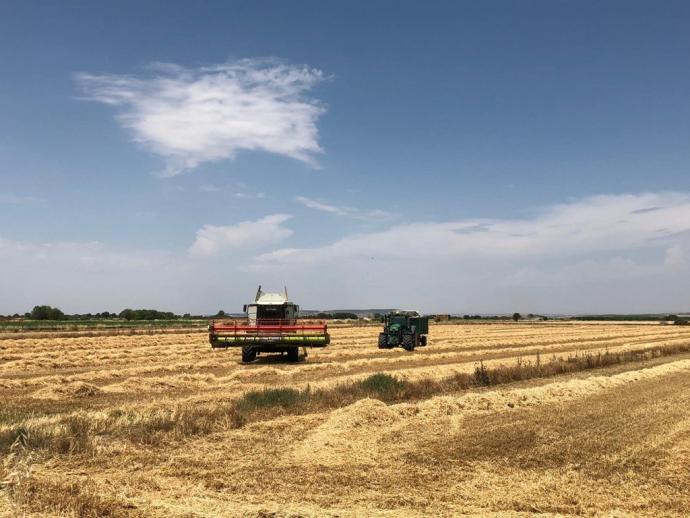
383,341
248,354
408,342
293,354
422,341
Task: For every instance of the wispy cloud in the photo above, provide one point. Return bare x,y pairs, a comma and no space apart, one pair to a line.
345,211
592,225
190,116
13,199
207,187
85,257
598,254
89,276
240,238
240,191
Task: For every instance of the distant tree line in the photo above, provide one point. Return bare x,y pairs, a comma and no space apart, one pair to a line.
485,317
634,317
52,313
336,316
514,316
46,312
146,314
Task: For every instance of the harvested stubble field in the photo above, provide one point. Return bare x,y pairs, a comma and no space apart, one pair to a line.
497,419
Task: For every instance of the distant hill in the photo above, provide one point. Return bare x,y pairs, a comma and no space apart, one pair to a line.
622,316
361,313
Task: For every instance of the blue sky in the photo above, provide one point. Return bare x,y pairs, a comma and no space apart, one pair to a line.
450,156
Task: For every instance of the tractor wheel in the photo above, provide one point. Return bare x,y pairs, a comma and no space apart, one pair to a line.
422,341
408,342
293,354
383,341
248,354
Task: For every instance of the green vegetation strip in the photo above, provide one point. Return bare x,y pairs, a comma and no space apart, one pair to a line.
75,432
78,325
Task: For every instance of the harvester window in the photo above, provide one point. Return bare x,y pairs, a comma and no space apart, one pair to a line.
271,312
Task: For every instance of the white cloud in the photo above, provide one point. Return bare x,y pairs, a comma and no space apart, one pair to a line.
248,195
89,277
602,253
240,192
676,257
584,272
599,254
87,257
595,224
211,239
191,116
340,210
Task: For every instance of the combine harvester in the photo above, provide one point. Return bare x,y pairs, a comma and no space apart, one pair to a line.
270,327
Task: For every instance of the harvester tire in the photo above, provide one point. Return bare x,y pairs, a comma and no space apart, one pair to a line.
293,354
422,341
248,354
408,342
383,341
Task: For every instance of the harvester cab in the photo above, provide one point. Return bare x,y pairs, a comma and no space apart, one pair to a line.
269,308
406,329
271,326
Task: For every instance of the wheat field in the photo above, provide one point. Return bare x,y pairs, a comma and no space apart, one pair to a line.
152,425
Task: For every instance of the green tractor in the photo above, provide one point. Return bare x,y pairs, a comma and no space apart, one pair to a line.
406,329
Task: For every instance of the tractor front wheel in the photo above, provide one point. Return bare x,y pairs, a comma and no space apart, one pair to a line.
383,341
293,354
248,354
408,342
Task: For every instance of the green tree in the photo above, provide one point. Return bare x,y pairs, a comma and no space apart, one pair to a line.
127,314
146,314
517,316
46,313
